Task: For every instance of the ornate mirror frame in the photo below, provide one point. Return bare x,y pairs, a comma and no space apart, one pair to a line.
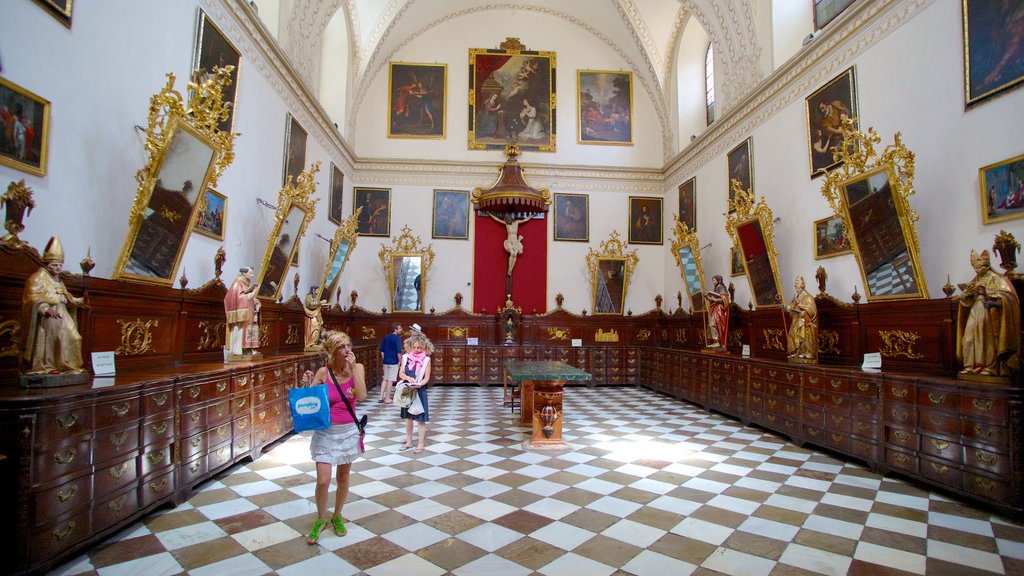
613,255
870,191
177,133
752,229
342,245
686,241
291,200
406,245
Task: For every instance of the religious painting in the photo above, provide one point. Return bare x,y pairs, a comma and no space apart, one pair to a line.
26,129
829,238
59,9
210,220
512,98
644,220
375,219
605,107
214,51
736,262
688,203
993,48
572,217
740,164
294,150
451,214
334,201
416,100
826,109
826,10
1002,190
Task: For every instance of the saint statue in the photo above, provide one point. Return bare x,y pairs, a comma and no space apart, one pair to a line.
52,344
242,308
988,323
802,344
514,243
314,318
718,313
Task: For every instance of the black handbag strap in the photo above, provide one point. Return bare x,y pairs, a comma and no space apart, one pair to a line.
345,400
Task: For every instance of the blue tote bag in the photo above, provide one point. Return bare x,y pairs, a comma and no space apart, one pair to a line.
310,408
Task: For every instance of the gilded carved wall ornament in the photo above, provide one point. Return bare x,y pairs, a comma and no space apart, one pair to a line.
294,332
828,342
213,335
264,335
558,333
772,339
643,335
609,336
457,332
136,337
11,329
611,270
680,336
369,333
735,339
898,343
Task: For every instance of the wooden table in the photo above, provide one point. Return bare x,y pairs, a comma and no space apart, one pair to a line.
540,398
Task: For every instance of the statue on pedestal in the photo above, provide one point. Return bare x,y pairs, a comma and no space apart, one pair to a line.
242,308
718,313
802,342
314,323
988,324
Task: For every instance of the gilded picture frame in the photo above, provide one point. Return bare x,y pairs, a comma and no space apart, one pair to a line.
450,215
375,218
830,238
688,203
417,100
342,245
826,109
59,9
989,66
296,208
25,149
604,107
336,195
740,162
214,50
294,149
212,217
611,271
512,98
645,220
572,217
1002,190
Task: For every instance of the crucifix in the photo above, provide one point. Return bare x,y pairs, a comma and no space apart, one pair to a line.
513,243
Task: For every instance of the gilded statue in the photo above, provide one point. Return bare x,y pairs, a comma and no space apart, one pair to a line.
242,308
718,313
314,323
52,344
988,323
802,342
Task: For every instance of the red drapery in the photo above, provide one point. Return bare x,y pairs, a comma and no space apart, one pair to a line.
490,266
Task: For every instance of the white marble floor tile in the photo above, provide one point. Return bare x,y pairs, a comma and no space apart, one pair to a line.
634,533
769,528
254,488
598,486
897,499
189,535
707,485
758,484
433,473
241,565
489,536
653,486
320,564
263,536
382,472
890,557
733,504
1010,548
371,489
486,489
277,472
227,508
737,563
356,534
574,565
649,563
551,508
808,483
485,472
586,470
815,560
162,564
900,525
80,565
614,506
288,510
850,502
492,565
704,531
964,556
674,505
562,535
543,487
840,528
791,503
429,489
415,536
421,510
959,523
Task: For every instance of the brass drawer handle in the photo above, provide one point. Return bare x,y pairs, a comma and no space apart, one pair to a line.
222,430
981,404
863,427
222,453
262,377
220,409
863,386
837,419
838,437
986,459
118,439
116,505
773,387
262,396
158,486
241,402
814,397
899,392
196,441
984,484
155,457
813,379
117,471
160,399
67,421
940,445
194,467
263,415
63,497
991,432
900,415
65,457
835,383
936,398
120,411
194,417
901,435
789,376
812,431
771,417
158,428
222,386
289,370
61,534
837,400
772,373
243,381
939,468
864,407
241,444
277,373
194,392
790,392
937,421
900,458
243,423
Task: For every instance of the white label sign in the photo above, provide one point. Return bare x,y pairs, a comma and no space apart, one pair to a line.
872,361
103,363
746,350
472,341
577,342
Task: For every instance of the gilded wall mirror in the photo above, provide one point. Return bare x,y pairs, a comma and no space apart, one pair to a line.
752,229
405,266
296,208
686,251
870,192
342,245
610,272
186,155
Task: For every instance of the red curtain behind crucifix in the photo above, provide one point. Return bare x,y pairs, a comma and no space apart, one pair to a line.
490,266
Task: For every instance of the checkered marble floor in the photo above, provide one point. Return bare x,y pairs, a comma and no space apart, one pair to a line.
654,486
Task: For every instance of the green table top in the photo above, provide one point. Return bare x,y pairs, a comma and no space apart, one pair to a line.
543,370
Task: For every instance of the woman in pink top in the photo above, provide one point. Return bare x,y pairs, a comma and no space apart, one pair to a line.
338,445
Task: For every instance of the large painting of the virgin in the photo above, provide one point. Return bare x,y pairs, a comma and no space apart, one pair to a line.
993,47
512,99
826,110
416,100
605,107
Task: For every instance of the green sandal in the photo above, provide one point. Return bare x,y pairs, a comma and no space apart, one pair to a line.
314,534
339,526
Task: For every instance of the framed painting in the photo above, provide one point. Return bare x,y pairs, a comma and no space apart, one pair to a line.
211,218
644,220
829,238
688,203
214,51
604,107
334,201
735,262
375,219
826,110
826,10
511,98
740,164
294,149
572,217
295,255
451,214
416,100
1002,190
59,9
992,49
26,129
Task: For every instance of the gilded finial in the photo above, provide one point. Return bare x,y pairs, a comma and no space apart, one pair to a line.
87,264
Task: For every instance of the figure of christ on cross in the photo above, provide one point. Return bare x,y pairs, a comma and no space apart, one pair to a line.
514,242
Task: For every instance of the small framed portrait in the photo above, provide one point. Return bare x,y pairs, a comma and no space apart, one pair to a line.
992,59
26,129
605,107
826,110
1002,190
294,149
375,219
740,162
644,220
511,97
416,100
59,9
210,219
826,10
451,214
688,203
736,262
334,201
214,51
829,238
572,217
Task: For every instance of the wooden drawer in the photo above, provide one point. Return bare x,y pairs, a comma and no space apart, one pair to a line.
899,392
218,456
836,385
192,446
864,429
241,426
241,446
837,403
114,442
157,402
814,381
155,458
240,404
58,425
942,472
118,412
62,459
814,417
904,438
62,499
218,413
109,478
241,383
60,535
838,440
193,421
192,470
901,414
941,399
864,388
987,460
860,448
156,488
994,409
936,421
157,430
219,434
987,434
864,409
989,488
814,397
192,394
838,422
943,448
113,509
901,460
